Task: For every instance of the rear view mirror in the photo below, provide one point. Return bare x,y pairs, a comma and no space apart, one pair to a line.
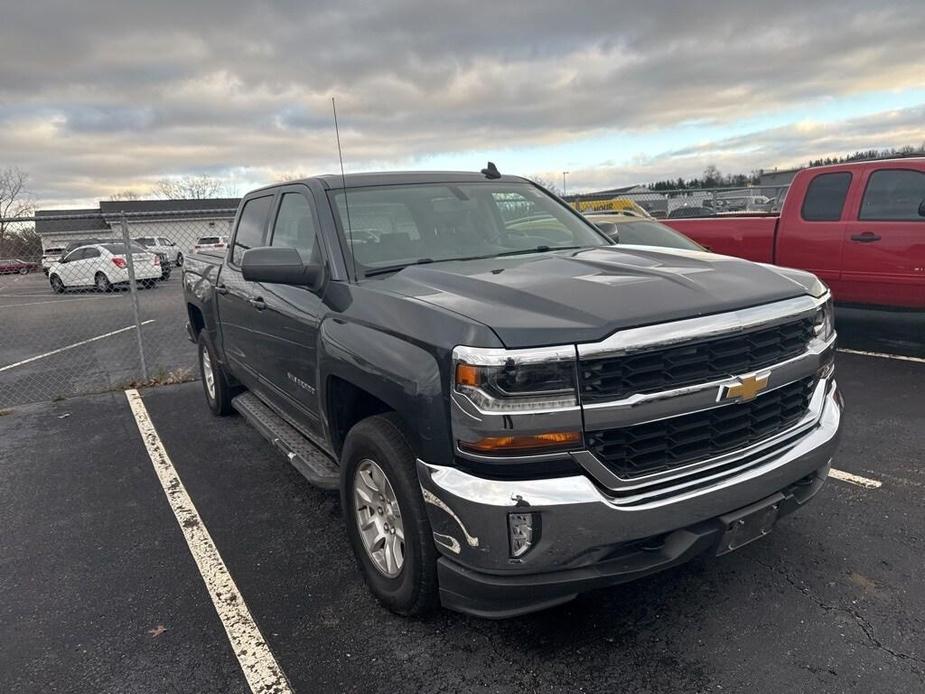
280,266
610,229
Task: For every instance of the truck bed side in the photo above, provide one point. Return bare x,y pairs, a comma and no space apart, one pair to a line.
751,238
200,276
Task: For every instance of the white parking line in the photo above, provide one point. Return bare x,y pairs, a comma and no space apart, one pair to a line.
865,482
881,355
76,344
262,672
51,301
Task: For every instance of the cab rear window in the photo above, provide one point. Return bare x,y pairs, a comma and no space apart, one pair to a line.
825,197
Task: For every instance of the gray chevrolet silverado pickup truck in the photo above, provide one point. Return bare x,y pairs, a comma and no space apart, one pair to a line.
513,409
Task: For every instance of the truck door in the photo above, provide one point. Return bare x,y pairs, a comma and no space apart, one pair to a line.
884,261
288,322
811,228
238,308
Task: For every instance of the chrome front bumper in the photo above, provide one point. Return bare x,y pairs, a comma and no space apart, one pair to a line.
582,525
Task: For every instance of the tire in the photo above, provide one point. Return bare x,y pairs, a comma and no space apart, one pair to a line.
411,590
149,284
57,286
179,260
102,283
23,271
214,381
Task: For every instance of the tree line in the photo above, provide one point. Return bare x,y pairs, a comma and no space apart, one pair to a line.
713,178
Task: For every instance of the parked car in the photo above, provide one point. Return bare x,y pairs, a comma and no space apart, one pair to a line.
163,247
50,256
514,409
103,266
859,226
15,266
689,211
207,243
629,229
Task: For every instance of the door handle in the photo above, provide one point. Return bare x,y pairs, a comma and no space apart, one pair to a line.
257,303
221,289
866,237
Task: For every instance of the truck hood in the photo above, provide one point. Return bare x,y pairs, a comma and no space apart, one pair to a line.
585,295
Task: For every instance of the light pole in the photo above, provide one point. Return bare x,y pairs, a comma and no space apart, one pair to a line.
564,174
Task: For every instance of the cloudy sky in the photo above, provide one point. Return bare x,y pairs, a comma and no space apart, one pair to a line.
107,95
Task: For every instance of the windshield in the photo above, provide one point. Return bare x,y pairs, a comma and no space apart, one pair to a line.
648,233
393,226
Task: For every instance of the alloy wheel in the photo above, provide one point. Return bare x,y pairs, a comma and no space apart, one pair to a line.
378,518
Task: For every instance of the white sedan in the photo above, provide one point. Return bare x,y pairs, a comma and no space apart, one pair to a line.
103,265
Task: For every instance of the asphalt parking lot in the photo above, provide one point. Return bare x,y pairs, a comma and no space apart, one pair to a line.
54,346
99,591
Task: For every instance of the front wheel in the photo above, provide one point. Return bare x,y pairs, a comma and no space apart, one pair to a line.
214,382
386,521
23,270
57,286
179,260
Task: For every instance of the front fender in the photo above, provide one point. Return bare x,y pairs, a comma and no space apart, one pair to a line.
405,376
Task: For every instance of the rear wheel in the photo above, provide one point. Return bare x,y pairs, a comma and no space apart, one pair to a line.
179,260
57,285
386,521
214,382
102,283
23,270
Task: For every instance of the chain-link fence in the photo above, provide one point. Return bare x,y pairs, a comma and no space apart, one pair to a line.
93,301
680,203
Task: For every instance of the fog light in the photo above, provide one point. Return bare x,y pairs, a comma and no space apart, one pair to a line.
524,531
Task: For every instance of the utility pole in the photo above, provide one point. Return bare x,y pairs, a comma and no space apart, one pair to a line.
564,191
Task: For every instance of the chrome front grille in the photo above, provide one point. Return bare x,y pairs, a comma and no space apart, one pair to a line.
610,377
652,447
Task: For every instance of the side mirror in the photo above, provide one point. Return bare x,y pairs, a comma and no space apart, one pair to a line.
280,266
922,209
610,229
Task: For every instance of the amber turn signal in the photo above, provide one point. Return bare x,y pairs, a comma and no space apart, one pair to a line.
522,443
467,375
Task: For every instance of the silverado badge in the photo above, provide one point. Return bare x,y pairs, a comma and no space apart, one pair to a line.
746,389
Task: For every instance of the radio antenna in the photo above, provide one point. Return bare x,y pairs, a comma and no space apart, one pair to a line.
343,180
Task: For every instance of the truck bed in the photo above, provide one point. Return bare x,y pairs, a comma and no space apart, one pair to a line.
743,236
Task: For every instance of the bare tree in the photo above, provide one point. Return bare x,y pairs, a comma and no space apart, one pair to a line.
14,198
125,195
548,184
190,188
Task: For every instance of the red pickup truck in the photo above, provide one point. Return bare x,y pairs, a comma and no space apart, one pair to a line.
859,226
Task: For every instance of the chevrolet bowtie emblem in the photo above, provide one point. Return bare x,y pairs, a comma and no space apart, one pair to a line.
746,389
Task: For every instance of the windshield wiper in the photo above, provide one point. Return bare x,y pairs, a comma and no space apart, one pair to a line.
395,268
537,249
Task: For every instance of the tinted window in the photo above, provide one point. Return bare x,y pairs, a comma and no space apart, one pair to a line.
893,194
825,197
251,227
119,248
295,226
646,233
91,253
208,239
146,241
74,255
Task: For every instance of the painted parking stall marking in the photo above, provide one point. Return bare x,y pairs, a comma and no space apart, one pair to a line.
261,670
881,355
66,348
865,482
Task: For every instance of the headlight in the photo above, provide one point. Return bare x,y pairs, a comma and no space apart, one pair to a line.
824,325
498,380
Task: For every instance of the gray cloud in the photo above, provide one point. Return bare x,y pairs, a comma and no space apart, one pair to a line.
114,94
